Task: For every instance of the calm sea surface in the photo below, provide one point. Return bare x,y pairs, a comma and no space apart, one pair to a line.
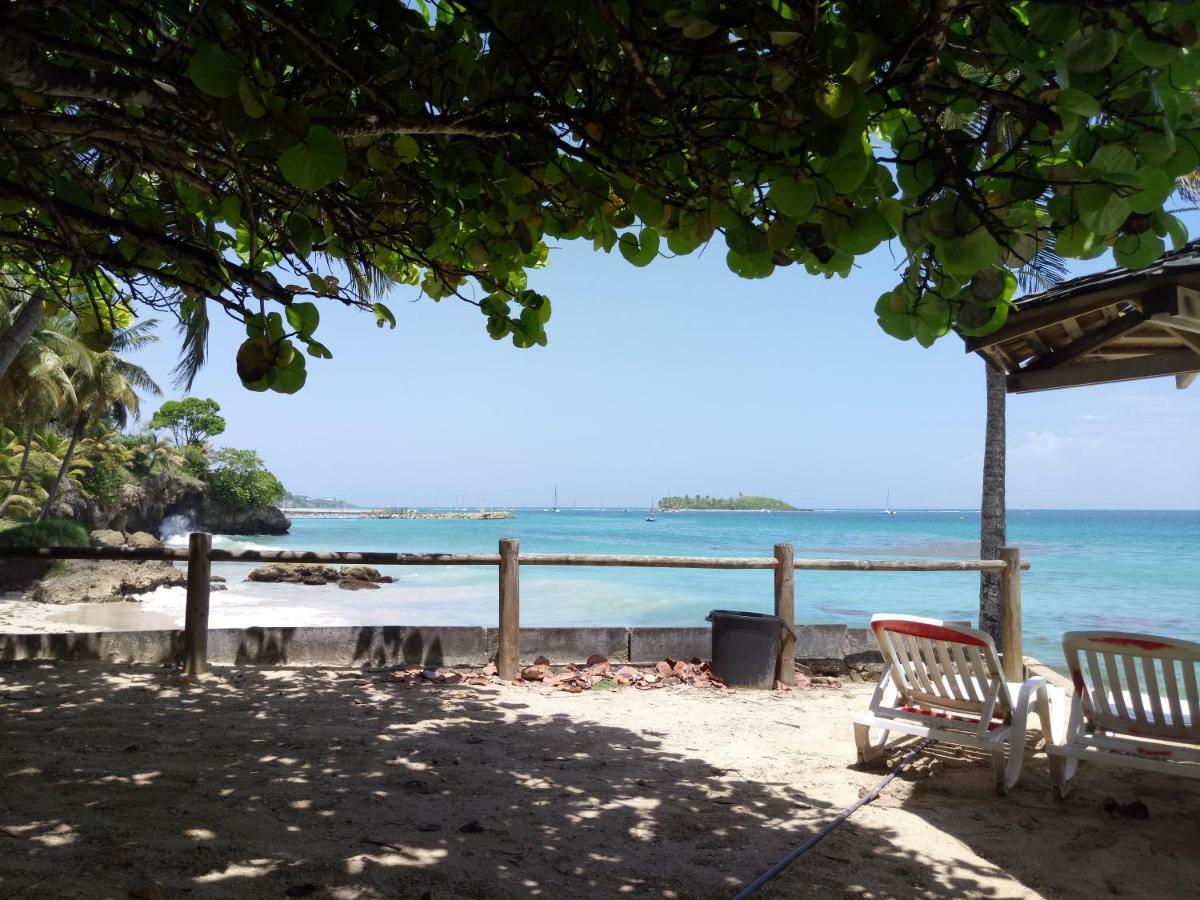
1136,570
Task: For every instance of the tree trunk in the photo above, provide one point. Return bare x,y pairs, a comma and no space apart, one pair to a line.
992,531
16,485
27,322
76,434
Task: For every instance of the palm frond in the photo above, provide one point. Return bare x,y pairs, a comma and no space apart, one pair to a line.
193,327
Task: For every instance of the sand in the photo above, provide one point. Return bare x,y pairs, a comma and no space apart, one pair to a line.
329,783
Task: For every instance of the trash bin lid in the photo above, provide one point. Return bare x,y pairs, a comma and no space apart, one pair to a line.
740,614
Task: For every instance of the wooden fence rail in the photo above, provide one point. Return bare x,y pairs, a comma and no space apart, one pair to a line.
200,555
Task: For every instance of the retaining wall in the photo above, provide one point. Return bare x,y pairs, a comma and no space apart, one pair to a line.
826,647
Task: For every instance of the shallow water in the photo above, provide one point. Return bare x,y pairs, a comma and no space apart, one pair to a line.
1132,570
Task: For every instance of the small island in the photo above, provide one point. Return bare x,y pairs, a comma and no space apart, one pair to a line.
726,504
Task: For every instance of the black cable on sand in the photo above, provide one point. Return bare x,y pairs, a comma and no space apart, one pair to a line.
754,886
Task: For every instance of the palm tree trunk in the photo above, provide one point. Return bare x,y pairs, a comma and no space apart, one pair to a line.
76,434
27,322
992,532
16,485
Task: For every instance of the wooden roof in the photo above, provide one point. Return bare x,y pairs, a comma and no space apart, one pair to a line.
1117,325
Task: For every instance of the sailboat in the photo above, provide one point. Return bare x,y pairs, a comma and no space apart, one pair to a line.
887,505
651,517
555,498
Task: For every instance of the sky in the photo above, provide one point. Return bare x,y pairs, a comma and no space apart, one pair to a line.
683,378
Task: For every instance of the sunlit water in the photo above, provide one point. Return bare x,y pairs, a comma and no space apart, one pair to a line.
1128,570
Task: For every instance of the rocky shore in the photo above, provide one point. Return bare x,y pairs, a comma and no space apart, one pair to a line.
348,578
106,581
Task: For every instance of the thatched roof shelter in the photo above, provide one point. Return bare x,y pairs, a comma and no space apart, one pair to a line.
1117,325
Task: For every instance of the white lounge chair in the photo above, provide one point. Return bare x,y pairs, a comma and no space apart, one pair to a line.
1135,704
944,681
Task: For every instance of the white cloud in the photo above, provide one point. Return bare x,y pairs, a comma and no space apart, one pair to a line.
1040,445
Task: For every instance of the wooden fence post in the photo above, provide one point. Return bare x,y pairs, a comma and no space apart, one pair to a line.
1011,644
195,617
508,658
785,608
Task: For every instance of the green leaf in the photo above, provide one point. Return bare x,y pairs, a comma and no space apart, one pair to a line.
979,319
291,377
640,249
791,197
251,98
255,358
303,317
1157,186
781,232
319,350
383,315
1150,52
314,162
696,29
215,71
1090,50
1076,101
754,265
1101,208
1136,251
837,97
1113,159
968,254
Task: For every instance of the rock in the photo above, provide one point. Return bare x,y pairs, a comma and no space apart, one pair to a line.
541,661
627,675
802,681
364,573
536,672
142,540
147,890
597,660
105,581
218,587
106,537
489,670
295,573
663,669
220,519
216,579
355,584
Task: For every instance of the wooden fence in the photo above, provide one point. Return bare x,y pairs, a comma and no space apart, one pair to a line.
200,555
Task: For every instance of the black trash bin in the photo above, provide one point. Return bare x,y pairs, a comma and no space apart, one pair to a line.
745,646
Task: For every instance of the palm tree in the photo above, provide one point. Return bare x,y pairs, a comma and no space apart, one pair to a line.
37,384
108,389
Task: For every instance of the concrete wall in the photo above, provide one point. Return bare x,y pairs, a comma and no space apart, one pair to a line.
831,646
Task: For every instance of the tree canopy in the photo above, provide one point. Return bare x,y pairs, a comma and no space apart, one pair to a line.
266,157
192,420
240,479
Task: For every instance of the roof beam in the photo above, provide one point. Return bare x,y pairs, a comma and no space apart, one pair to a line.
1089,342
1171,362
1183,381
1020,323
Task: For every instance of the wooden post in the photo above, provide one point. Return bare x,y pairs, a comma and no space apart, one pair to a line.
508,660
1011,646
785,608
195,617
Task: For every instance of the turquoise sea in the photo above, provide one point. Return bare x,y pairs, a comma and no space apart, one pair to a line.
1132,570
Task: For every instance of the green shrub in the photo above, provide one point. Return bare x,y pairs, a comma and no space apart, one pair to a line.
239,479
51,533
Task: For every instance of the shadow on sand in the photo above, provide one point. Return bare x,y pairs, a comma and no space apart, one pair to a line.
295,783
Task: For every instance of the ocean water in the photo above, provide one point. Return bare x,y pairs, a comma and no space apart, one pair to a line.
1131,570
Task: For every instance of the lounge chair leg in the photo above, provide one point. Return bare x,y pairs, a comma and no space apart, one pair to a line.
1062,776
999,773
868,752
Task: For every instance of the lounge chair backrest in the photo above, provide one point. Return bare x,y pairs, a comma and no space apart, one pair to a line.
1139,684
945,666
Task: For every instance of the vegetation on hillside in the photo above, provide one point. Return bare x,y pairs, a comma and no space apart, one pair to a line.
63,447
750,504
50,533
263,160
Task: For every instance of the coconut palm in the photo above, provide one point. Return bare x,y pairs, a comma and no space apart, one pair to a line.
110,388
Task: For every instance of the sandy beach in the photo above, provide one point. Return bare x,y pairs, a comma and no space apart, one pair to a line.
336,783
